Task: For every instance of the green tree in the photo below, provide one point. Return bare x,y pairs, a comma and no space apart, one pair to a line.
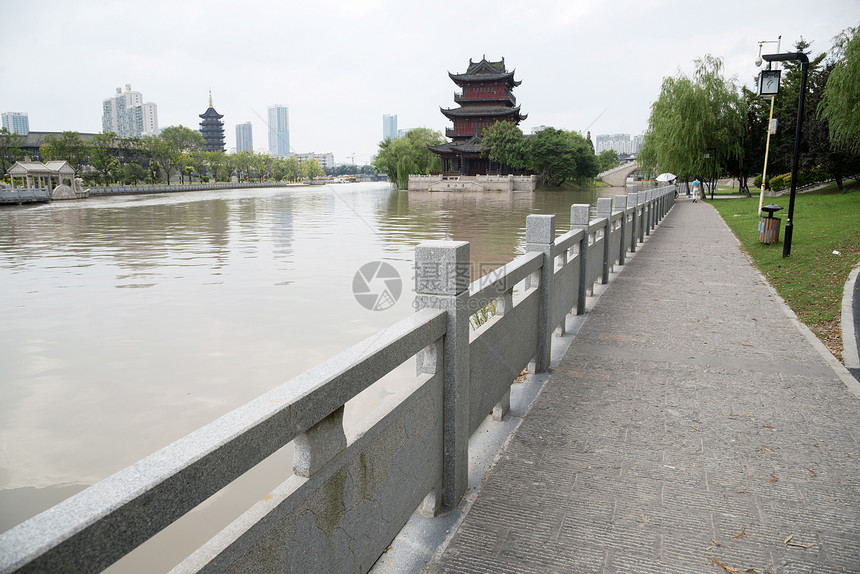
840,105
103,150
405,167
264,166
217,165
242,162
781,153
412,145
181,142
182,139
608,159
133,173
291,168
10,150
692,116
68,146
556,156
311,168
505,144
161,157
817,149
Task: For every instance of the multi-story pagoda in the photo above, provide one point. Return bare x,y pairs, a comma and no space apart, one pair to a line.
212,129
486,98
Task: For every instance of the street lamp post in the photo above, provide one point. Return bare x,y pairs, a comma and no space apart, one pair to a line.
778,43
804,67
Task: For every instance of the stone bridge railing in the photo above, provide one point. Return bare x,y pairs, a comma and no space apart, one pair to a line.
617,176
352,492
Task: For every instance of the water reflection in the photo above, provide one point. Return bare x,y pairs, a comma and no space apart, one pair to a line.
128,322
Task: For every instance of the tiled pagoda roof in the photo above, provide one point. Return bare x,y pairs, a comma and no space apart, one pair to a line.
485,71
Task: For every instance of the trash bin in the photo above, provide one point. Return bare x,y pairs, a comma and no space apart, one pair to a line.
768,225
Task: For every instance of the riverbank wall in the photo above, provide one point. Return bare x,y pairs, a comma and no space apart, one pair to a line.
173,188
352,491
472,183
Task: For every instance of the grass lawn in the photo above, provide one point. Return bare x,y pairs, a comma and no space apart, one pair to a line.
812,278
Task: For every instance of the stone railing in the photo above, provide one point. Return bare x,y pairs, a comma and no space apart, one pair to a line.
352,492
24,195
165,188
472,183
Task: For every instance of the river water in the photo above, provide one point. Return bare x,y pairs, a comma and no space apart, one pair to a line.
128,322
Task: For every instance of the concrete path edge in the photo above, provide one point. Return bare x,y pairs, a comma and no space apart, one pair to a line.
850,354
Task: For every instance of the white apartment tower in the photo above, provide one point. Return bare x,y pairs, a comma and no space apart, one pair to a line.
16,122
279,130
244,137
127,115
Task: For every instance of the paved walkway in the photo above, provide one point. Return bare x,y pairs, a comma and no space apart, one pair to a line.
691,427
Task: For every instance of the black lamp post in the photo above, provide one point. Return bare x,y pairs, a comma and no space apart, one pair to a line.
804,67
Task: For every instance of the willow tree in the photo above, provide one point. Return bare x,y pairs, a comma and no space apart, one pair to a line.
841,102
413,145
694,116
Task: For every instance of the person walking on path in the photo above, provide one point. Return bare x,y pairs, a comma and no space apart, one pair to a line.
692,426
696,189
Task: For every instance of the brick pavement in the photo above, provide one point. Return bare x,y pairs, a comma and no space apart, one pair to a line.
691,427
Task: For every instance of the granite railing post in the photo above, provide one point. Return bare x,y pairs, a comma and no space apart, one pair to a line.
664,204
652,201
646,211
319,444
504,304
579,214
633,201
442,282
604,209
540,235
621,205
641,200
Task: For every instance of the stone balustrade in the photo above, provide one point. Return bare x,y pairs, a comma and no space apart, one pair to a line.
472,183
352,491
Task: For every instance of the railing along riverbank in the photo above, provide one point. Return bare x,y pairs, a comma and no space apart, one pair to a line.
169,188
20,196
353,491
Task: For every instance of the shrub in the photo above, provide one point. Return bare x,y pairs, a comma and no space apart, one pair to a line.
780,182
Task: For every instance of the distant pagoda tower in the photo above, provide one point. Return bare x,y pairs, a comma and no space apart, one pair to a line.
212,128
486,98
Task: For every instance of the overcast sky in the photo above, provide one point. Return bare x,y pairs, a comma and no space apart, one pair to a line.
584,64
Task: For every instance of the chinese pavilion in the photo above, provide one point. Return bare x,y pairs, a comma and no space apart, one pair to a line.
212,129
485,99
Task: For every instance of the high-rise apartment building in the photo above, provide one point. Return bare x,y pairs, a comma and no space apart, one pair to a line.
326,160
16,122
279,130
623,144
127,115
389,127
244,137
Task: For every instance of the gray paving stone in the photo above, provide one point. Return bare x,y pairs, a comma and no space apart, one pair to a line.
690,425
